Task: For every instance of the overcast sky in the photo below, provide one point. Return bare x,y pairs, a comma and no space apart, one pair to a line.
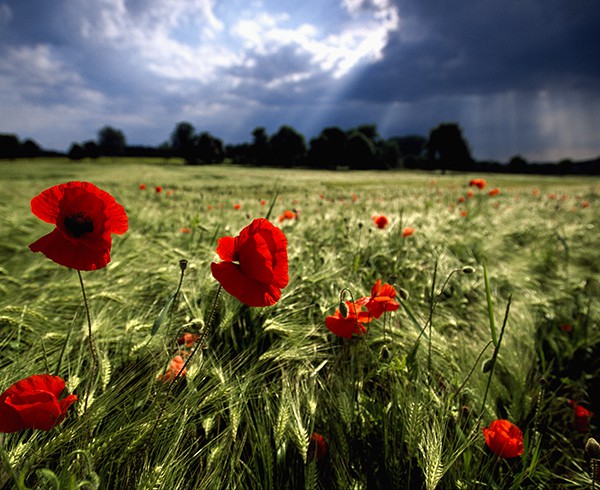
519,76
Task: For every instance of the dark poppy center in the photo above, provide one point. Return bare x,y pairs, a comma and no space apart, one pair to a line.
79,224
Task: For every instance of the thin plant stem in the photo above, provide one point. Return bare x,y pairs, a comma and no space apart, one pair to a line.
90,340
199,342
64,348
430,319
495,356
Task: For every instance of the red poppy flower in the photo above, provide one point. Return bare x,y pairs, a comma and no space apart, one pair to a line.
255,264
188,339
317,447
352,323
174,367
408,231
33,403
479,183
581,416
143,187
504,438
494,192
381,299
185,229
158,189
85,217
381,221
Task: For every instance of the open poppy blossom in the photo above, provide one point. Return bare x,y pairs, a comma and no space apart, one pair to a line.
504,438
381,299
349,323
317,447
85,217
255,264
581,417
33,403
494,192
479,183
381,221
408,231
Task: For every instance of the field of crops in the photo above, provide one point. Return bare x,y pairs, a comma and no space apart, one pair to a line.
494,317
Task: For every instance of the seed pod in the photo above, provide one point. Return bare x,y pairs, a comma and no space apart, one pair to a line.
486,365
343,309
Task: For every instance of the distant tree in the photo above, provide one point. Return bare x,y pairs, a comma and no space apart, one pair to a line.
448,148
359,152
208,149
91,149
259,150
76,152
411,145
517,164
30,149
370,131
111,141
9,146
183,140
287,147
389,154
327,150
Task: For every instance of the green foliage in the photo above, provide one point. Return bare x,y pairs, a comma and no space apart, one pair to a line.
401,407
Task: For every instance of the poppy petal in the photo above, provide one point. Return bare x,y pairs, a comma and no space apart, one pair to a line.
226,248
255,259
59,249
248,291
45,204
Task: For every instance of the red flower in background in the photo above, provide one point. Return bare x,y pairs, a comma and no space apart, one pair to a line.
188,339
85,217
504,438
351,323
158,189
381,299
255,264
381,221
581,417
408,231
175,366
494,192
317,447
143,187
33,403
479,183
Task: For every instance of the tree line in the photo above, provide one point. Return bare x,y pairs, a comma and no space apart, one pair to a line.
358,148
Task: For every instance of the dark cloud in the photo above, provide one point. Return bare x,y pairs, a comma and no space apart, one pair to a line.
457,48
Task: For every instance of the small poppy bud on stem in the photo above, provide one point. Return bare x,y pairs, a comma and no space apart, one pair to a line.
592,448
468,270
486,365
403,293
343,309
183,264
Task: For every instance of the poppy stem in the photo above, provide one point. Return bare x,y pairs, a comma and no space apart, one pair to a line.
199,342
90,340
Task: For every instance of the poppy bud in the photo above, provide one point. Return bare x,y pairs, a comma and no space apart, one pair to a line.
384,354
343,309
486,365
403,293
183,264
592,448
468,270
